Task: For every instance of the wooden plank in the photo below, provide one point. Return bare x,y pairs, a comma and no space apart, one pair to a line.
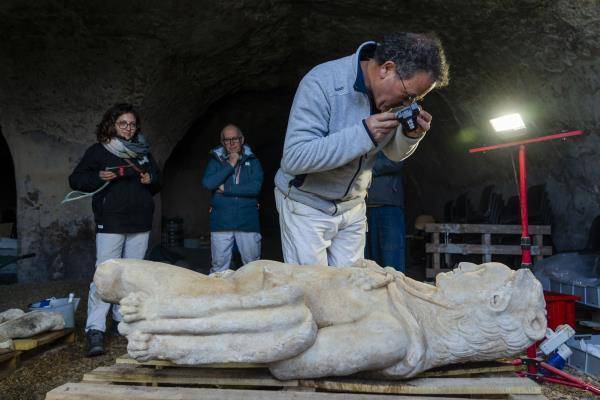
436,256
495,368
431,386
122,373
92,391
9,362
487,228
486,240
44,338
464,249
125,359
538,240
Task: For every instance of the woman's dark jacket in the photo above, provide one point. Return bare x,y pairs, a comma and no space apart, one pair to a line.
236,209
125,205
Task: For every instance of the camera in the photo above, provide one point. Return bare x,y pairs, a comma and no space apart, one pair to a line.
407,117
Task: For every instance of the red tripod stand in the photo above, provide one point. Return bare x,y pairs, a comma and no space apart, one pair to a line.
532,364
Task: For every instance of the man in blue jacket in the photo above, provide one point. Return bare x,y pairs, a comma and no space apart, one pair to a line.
385,215
339,121
235,176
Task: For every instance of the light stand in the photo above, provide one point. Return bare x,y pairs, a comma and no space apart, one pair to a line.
514,123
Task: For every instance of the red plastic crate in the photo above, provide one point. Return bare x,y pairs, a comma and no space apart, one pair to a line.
560,309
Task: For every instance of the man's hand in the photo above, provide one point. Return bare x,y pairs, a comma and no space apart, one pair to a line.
145,178
221,188
107,175
381,125
233,158
424,121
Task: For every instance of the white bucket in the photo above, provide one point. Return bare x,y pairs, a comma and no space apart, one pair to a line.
58,305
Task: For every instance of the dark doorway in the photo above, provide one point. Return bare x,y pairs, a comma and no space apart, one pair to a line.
262,116
8,214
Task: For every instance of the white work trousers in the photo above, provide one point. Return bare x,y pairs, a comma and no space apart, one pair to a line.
112,245
221,248
310,236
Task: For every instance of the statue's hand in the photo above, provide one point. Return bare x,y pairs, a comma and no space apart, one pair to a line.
369,280
133,307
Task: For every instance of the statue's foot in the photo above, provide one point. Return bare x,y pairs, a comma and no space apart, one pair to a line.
133,307
138,345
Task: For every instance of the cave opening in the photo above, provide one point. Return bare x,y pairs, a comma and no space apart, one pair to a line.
8,213
262,117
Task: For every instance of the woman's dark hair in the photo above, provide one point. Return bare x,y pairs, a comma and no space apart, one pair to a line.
106,128
414,52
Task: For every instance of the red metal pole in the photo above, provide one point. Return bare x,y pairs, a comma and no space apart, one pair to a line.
525,239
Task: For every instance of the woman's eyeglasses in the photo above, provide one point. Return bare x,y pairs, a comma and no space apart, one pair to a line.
125,125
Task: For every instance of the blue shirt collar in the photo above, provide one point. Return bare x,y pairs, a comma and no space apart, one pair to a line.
366,51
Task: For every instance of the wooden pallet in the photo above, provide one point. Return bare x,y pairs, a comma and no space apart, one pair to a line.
158,380
31,346
58,337
441,245
9,362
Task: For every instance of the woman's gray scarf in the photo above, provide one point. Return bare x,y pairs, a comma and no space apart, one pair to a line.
138,148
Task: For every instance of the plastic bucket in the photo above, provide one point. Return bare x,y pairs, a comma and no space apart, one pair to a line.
60,306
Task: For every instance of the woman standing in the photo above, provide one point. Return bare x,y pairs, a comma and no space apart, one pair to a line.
123,176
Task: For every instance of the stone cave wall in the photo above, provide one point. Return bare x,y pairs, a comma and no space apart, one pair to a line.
64,63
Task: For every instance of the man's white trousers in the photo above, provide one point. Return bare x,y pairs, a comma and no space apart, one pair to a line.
221,248
310,236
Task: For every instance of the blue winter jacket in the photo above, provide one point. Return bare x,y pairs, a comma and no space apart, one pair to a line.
236,209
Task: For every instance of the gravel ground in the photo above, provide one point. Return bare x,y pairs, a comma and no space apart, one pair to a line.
45,371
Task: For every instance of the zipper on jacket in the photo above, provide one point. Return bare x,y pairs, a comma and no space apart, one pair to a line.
354,177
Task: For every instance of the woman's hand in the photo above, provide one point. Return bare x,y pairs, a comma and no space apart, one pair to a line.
107,175
145,178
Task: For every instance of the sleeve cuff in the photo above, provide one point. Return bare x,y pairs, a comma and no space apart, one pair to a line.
364,122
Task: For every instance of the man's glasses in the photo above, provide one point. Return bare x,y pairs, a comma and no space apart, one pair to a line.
232,140
124,125
408,98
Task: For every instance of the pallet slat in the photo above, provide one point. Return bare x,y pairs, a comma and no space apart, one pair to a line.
463,248
432,386
487,228
186,376
91,391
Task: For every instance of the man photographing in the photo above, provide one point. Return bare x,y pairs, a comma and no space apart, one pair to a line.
340,120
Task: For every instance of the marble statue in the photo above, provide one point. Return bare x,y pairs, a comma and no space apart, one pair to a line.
17,324
315,321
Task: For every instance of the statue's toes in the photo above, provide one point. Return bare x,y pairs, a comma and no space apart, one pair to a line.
130,314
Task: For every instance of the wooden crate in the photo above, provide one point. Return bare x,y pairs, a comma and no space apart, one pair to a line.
486,249
160,380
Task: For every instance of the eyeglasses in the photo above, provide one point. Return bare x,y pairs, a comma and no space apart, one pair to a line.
125,125
232,140
408,98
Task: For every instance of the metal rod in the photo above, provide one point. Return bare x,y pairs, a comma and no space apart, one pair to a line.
521,142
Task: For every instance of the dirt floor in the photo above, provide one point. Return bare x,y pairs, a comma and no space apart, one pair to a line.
56,366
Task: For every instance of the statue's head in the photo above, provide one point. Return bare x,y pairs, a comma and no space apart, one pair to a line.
494,309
